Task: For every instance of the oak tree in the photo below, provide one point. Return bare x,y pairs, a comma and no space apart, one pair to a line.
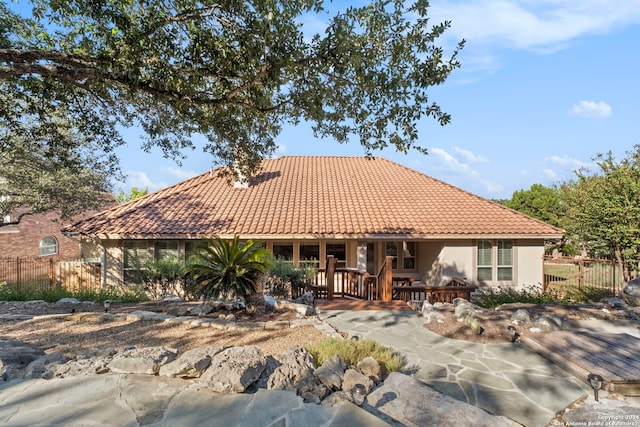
233,72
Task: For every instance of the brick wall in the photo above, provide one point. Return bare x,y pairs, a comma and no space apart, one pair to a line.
23,239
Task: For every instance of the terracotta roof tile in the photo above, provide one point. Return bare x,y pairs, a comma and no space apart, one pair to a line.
314,197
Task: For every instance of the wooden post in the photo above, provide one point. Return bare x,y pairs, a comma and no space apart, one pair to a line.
331,274
387,280
51,273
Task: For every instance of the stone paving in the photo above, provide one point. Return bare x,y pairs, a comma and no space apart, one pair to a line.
504,379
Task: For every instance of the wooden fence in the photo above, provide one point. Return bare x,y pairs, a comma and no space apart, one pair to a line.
566,275
32,275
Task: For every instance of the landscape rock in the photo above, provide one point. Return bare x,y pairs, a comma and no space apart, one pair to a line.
234,369
521,316
173,298
202,309
403,400
67,301
307,299
178,310
616,303
42,366
15,357
93,362
303,309
147,360
270,302
430,313
192,363
352,377
370,367
331,372
296,367
548,323
631,293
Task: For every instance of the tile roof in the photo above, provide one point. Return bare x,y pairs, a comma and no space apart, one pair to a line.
306,196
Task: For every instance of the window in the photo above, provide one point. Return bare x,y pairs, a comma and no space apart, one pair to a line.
310,254
505,260
48,246
403,253
409,255
165,249
283,251
485,263
339,252
503,267
136,255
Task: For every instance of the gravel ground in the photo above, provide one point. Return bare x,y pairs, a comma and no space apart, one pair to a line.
73,336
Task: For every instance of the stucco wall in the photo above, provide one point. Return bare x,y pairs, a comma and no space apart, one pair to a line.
529,262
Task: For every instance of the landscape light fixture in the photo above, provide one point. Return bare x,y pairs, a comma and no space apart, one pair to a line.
359,392
107,304
596,382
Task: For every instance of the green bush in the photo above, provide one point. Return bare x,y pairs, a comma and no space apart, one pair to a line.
354,351
493,297
164,277
55,294
284,279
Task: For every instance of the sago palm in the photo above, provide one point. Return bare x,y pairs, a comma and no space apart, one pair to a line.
228,268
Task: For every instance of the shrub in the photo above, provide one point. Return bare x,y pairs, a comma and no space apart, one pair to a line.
55,294
493,297
285,280
354,351
228,269
164,277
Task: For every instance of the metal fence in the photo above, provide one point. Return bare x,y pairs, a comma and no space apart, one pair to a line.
37,274
567,276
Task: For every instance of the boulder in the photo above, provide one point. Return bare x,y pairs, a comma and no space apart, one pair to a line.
548,323
146,360
15,357
68,301
202,309
42,366
615,303
234,369
352,377
173,298
370,367
631,293
269,302
331,372
303,309
93,362
296,366
403,400
520,316
430,313
192,363
178,310
307,299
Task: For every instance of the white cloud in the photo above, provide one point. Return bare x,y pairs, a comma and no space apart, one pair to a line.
139,179
469,156
447,161
566,162
592,110
180,174
527,24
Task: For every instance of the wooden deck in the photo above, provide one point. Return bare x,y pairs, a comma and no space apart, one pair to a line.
359,304
615,357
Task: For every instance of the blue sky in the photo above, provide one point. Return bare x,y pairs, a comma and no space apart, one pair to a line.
545,85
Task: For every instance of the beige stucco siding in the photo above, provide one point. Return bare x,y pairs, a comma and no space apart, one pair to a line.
529,263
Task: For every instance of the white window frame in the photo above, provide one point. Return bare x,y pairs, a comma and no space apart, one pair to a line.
500,259
48,249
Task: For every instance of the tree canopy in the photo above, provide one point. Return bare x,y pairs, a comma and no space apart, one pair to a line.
604,209
540,202
234,72
134,193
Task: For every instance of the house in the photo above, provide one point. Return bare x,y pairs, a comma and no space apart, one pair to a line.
358,209
27,235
